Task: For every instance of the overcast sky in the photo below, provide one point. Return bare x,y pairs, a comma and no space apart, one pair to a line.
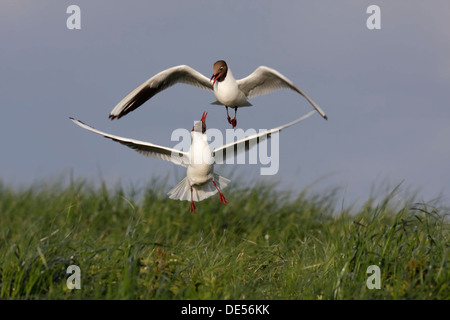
386,92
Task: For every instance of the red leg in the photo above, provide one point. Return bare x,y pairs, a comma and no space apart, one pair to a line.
222,198
192,203
228,116
234,121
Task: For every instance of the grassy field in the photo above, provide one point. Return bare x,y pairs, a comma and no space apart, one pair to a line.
264,244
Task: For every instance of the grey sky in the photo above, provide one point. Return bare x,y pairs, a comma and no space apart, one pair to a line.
385,91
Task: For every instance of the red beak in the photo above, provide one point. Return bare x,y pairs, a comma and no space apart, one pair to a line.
204,116
215,77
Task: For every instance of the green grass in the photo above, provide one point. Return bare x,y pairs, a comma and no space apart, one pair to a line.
264,244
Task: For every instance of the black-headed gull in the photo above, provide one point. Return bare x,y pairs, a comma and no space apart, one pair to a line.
200,182
227,90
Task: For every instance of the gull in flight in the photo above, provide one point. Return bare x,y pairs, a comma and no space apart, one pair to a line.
200,182
227,90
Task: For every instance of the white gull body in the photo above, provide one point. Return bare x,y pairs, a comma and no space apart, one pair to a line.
228,93
227,90
200,182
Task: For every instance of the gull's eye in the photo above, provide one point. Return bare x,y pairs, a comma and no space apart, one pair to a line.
221,68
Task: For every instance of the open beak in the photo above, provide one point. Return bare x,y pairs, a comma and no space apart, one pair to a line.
215,76
204,116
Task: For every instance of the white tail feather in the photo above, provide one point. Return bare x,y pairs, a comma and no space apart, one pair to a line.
246,104
182,191
217,103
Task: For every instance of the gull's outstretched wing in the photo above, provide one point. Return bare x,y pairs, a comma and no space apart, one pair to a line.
234,148
145,148
265,80
158,83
